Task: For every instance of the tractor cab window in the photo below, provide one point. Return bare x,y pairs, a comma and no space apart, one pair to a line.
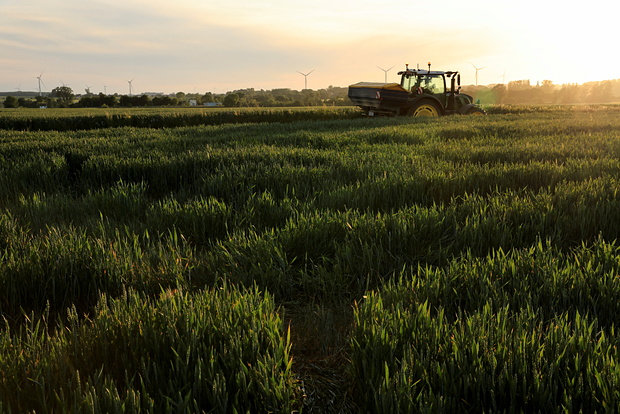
433,84
408,82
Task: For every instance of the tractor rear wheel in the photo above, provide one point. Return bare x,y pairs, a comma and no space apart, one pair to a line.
425,108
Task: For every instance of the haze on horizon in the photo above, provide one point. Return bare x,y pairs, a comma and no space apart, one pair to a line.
199,46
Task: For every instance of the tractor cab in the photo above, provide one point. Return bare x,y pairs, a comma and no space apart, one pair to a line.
416,82
433,83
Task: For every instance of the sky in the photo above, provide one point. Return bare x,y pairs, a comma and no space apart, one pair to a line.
198,46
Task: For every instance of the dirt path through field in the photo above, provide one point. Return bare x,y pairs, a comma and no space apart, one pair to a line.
320,346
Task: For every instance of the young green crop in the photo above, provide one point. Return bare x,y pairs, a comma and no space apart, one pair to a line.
219,350
480,251
532,330
87,119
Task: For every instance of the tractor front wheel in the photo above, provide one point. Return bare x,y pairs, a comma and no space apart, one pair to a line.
476,111
471,109
425,108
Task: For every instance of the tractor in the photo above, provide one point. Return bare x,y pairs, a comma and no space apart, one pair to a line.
420,93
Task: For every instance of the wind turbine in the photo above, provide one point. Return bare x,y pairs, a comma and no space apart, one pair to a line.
477,69
386,71
40,82
129,82
306,78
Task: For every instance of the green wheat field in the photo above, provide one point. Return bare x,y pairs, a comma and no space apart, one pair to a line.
312,260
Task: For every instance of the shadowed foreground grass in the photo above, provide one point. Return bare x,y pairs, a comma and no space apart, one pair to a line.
464,264
217,350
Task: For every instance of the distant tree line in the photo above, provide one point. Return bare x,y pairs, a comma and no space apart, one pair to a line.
332,96
524,93
515,92
63,97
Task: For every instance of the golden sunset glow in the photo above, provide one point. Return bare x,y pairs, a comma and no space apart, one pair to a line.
195,45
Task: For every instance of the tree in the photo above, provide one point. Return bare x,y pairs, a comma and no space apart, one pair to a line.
499,91
164,101
63,94
208,97
600,92
569,94
266,100
126,101
143,100
232,99
519,92
310,97
10,102
26,103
